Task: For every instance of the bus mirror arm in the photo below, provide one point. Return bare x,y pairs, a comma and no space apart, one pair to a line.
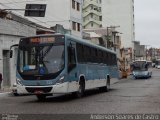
11,51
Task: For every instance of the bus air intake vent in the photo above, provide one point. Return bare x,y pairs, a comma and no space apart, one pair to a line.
43,89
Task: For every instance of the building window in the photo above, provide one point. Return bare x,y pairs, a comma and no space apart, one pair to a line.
91,7
73,4
91,24
91,15
74,25
99,10
78,6
100,18
78,27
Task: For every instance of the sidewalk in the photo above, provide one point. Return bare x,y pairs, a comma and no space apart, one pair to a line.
120,80
5,90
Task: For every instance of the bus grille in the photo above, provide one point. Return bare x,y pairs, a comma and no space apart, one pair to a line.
43,89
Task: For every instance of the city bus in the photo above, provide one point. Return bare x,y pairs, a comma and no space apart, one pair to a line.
60,64
141,69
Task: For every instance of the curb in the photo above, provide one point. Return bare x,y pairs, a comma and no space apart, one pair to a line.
120,80
2,94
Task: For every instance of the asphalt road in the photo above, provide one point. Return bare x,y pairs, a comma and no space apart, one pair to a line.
126,96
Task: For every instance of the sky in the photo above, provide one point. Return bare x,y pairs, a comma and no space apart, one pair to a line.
147,22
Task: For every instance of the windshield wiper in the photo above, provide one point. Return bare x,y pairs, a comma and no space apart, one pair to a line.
46,52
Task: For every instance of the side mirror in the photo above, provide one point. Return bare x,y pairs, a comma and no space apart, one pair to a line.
11,53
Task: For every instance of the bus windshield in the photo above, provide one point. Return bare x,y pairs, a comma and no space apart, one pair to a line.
40,56
139,65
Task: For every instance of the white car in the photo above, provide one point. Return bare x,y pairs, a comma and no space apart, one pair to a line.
158,66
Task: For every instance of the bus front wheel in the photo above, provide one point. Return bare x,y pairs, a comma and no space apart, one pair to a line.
41,97
81,90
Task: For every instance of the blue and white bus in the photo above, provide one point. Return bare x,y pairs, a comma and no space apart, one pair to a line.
59,64
141,69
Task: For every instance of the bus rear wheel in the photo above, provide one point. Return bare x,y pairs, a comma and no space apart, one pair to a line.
107,87
41,97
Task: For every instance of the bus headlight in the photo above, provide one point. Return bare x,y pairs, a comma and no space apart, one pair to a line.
134,73
19,82
61,80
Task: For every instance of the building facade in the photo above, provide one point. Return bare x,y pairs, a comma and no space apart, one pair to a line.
100,37
120,13
139,51
64,12
11,30
92,14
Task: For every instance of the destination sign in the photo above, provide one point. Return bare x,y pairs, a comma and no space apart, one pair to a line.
42,40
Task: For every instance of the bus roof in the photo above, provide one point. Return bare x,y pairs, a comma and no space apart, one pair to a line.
76,39
86,42
140,61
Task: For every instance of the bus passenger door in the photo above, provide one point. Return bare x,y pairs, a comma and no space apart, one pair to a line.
71,57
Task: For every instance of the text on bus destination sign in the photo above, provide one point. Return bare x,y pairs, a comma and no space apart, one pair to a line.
43,40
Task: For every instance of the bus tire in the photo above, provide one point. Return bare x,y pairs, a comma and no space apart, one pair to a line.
41,97
15,94
107,87
108,83
81,89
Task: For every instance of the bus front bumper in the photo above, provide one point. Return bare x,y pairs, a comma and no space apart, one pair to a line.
58,89
141,74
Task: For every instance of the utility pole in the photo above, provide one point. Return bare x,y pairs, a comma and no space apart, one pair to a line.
146,50
151,53
134,55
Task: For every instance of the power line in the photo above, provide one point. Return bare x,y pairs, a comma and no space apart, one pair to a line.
57,21
44,22
21,13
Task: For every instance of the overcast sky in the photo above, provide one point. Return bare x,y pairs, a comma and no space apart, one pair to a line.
147,22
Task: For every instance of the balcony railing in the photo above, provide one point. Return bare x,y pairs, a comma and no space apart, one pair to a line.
86,4
92,20
85,13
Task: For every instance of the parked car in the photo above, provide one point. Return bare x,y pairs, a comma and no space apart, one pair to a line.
158,66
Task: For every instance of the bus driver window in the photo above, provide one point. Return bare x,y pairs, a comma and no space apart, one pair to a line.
71,58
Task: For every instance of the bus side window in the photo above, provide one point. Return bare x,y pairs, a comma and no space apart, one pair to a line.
71,58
